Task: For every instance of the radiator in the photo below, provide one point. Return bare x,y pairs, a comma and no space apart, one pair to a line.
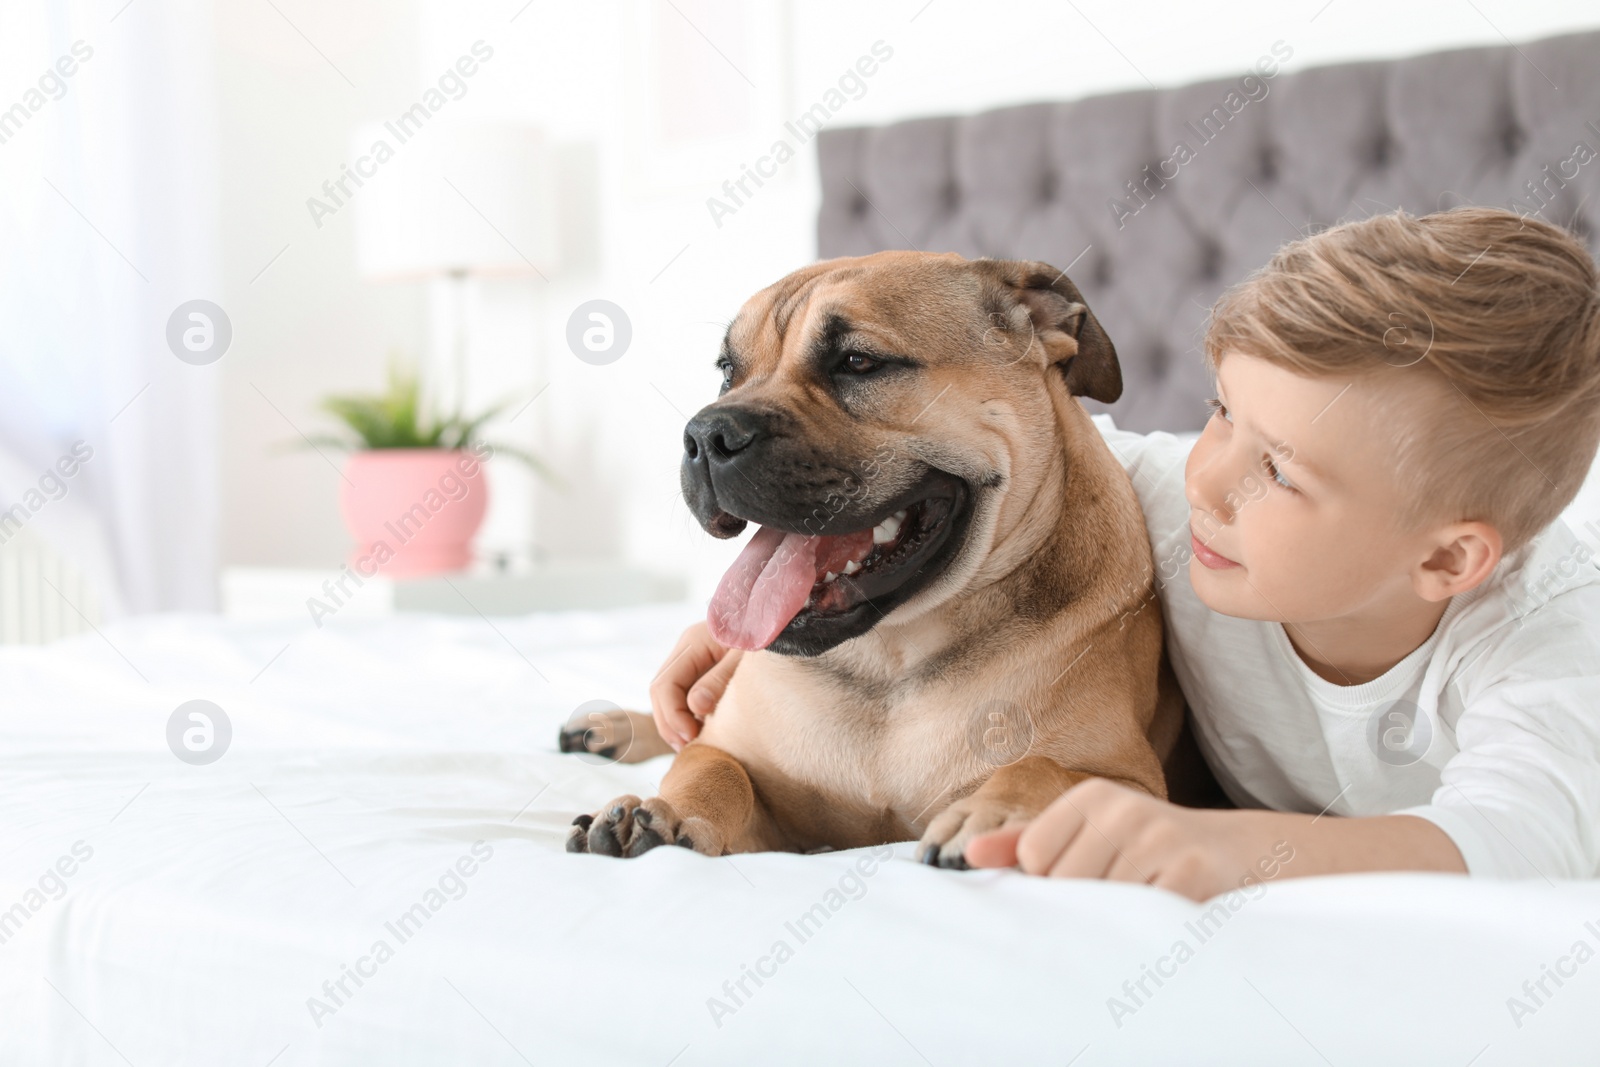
42,597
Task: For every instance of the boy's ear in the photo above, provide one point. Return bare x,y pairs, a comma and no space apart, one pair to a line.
1465,555
1072,337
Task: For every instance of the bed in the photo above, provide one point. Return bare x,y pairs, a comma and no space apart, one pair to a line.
372,869
216,913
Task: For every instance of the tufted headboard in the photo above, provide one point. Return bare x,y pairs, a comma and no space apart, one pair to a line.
1152,249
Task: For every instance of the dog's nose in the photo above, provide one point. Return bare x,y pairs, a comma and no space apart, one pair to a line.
720,435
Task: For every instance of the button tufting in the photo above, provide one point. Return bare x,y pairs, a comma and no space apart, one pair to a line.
1512,139
1382,150
1156,361
1267,165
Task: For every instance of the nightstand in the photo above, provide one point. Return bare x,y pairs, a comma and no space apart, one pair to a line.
284,592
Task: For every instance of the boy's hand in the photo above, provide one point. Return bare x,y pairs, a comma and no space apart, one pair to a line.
1099,829
689,684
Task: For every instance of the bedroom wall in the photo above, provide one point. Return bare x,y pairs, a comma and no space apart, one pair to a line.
674,100
304,324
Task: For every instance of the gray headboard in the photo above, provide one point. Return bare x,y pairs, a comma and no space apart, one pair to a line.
1303,149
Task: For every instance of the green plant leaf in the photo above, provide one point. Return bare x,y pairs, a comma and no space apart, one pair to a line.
465,430
395,418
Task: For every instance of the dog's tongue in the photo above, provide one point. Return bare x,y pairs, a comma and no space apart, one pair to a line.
765,588
772,579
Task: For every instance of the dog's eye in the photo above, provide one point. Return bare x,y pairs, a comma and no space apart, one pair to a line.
859,363
726,367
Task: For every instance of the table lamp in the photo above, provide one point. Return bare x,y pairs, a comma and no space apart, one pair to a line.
454,200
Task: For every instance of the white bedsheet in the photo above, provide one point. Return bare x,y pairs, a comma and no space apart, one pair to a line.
367,758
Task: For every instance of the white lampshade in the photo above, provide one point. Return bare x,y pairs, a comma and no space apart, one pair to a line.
453,198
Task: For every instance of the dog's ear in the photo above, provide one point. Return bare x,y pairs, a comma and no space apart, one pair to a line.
1072,337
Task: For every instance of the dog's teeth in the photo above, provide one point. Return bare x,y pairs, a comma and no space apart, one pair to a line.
851,567
886,530
830,576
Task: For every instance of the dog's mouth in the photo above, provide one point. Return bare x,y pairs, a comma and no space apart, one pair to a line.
793,582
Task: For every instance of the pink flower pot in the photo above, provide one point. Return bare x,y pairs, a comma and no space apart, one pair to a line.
413,511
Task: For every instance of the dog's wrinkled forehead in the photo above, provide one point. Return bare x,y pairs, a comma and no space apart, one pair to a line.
898,302
917,312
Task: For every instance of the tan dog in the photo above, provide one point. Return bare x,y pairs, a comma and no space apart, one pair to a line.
952,584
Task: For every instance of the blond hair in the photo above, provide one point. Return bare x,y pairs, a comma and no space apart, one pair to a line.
1500,316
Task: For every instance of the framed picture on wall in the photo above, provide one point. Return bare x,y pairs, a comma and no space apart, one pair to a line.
707,90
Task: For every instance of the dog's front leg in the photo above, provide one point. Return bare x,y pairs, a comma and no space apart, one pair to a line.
706,803
1013,794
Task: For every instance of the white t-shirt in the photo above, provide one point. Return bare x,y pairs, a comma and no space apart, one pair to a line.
1490,729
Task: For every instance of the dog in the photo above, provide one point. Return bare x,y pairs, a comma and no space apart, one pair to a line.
950,599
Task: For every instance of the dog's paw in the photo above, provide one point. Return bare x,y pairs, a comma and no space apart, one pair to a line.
944,843
629,827
602,733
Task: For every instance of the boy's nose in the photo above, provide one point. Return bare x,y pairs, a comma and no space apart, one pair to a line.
1205,482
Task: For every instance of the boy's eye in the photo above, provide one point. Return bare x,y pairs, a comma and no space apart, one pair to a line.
1267,466
1275,474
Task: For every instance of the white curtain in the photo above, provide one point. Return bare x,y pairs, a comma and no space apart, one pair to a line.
107,223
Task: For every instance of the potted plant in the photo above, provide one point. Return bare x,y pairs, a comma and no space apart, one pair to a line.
413,493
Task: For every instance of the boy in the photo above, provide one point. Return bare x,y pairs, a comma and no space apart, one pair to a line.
1389,645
